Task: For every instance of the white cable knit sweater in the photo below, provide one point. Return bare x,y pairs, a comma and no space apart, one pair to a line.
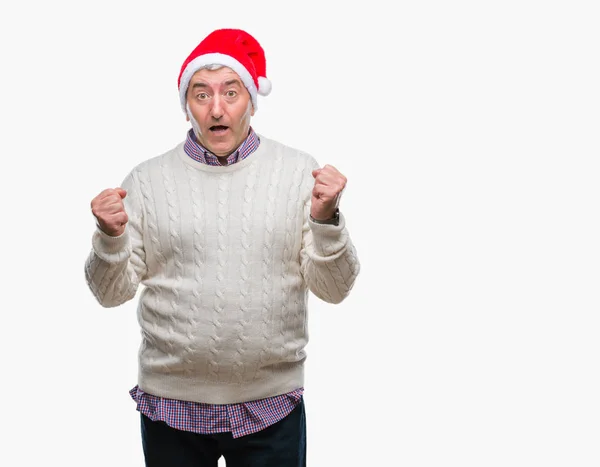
226,256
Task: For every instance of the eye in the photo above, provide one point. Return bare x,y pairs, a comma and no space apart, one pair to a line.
202,96
231,93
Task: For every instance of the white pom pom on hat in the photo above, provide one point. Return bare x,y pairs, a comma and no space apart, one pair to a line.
264,86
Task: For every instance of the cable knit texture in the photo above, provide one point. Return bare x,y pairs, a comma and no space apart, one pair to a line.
226,256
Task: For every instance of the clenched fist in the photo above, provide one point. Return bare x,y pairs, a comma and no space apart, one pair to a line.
109,210
329,184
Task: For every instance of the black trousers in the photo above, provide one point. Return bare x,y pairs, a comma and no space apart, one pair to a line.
280,445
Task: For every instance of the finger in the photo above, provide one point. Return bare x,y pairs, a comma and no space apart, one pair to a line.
333,172
121,218
111,199
336,182
121,192
316,172
331,169
324,192
109,192
116,220
324,177
108,206
113,208
103,194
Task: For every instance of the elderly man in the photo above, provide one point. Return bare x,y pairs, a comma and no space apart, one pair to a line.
227,232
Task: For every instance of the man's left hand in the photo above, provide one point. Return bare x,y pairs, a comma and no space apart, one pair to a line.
329,185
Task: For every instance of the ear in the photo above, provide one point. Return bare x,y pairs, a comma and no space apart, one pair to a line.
252,112
187,117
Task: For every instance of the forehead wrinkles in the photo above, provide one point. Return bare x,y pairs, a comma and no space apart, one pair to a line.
215,78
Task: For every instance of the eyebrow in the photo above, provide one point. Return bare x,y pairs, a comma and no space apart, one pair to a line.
232,81
226,83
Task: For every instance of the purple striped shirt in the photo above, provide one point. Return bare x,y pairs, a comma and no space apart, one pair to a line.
242,418
199,153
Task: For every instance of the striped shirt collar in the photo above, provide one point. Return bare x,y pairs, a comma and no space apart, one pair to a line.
199,153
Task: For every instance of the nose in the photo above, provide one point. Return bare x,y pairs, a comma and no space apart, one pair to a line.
216,110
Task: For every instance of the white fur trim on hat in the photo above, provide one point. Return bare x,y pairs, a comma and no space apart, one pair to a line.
219,59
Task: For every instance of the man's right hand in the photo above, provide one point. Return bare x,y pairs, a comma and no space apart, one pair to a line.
109,211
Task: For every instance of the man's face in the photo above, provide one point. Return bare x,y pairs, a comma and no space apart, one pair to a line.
221,107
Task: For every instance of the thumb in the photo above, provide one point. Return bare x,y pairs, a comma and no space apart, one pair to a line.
316,172
122,193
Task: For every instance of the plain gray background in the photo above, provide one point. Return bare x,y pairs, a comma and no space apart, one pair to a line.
469,135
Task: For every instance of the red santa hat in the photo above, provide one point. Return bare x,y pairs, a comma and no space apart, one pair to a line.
232,48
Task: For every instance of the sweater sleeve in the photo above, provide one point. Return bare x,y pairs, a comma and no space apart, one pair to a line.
116,265
328,259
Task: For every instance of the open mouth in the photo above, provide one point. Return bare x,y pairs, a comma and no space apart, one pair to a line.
218,129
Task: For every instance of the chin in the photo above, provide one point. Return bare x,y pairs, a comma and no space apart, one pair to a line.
221,150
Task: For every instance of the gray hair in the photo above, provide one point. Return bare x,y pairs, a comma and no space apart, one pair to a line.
212,66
